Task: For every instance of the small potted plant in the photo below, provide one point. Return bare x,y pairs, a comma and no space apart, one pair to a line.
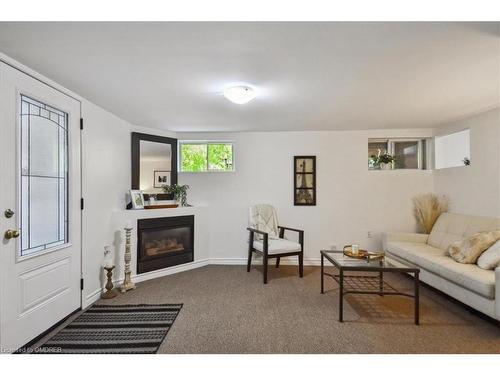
382,161
179,192
386,161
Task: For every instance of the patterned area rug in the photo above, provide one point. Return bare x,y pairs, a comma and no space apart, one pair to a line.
118,329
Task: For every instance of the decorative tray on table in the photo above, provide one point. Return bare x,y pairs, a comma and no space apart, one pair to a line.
156,206
363,254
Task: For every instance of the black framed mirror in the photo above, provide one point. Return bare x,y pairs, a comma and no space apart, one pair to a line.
154,163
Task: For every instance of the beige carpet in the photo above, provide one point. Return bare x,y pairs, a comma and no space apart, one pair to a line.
227,310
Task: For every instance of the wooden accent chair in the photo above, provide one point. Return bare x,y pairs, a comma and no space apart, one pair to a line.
268,239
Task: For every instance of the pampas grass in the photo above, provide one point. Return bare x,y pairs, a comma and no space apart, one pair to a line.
427,208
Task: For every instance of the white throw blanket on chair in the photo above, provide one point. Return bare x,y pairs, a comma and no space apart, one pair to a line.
263,217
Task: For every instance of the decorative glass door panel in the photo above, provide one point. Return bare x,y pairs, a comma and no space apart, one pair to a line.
44,176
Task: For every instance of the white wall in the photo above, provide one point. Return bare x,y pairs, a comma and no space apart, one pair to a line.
106,160
350,199
474,189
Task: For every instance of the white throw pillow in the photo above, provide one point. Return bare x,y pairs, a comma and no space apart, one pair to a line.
490,259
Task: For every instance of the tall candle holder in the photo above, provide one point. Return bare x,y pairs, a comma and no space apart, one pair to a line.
127,281
108,264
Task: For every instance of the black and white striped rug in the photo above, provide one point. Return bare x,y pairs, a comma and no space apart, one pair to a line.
115,329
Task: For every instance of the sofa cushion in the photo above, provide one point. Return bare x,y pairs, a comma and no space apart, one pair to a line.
435,260
490,259
277,246
413,252
469,276
470,248
450,228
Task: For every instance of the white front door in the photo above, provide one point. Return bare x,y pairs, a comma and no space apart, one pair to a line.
40,218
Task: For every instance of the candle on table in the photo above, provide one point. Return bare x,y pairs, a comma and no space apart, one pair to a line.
355,249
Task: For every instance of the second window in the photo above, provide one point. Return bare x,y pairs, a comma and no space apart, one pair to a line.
206,156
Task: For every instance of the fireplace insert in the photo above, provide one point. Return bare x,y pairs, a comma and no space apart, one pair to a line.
164,242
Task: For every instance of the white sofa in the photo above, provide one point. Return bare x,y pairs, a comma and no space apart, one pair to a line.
467,283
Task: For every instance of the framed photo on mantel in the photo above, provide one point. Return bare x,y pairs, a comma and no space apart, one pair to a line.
304,181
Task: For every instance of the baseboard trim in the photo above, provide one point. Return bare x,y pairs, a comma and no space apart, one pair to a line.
170,270
227,261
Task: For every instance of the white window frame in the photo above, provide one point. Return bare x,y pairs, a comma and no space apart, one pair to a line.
198,142
391,147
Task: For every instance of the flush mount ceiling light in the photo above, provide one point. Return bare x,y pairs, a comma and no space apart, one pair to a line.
239,94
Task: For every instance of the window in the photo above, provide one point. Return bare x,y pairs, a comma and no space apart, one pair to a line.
206,157
452,150
44,176
397,153
406,154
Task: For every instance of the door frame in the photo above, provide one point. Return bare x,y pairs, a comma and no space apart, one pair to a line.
14,64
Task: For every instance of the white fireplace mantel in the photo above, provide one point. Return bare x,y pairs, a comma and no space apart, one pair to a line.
201,239
157,212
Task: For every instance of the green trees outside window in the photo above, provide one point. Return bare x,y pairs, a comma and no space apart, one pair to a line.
193,157
203,157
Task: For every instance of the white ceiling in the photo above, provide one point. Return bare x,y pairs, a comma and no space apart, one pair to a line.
311,76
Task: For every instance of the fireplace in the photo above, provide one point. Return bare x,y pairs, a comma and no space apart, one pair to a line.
164,242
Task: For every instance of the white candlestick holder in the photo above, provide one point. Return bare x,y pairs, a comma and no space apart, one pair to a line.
127,281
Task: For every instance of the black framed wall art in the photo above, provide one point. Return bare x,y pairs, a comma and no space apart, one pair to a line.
304,181
161,178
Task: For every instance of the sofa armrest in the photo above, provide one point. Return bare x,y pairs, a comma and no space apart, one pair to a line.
404,237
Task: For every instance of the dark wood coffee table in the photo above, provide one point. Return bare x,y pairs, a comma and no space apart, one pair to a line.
365,284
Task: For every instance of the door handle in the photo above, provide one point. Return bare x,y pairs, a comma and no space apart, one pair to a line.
11,233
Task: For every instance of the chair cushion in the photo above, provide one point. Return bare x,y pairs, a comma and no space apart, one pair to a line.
450,228
435,260
278,246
